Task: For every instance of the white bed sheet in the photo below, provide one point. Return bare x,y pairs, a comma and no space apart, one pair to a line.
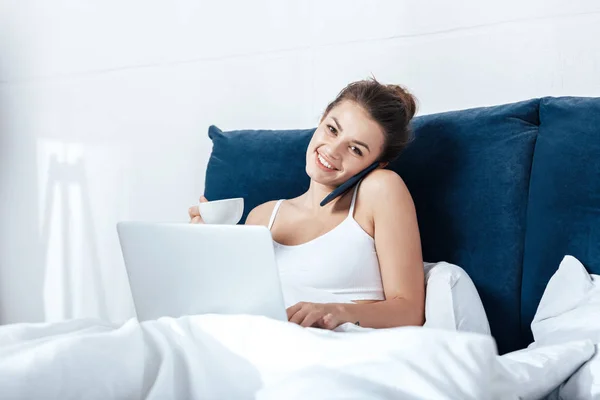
242,357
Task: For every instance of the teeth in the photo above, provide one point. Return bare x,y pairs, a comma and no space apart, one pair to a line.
324,162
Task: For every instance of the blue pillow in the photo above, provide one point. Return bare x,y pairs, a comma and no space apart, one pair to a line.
468,173
563,215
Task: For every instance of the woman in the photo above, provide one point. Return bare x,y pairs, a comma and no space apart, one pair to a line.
364,247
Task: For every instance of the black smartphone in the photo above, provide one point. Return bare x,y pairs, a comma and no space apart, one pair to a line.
344,187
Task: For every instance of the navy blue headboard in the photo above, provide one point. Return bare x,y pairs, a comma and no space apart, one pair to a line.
470,174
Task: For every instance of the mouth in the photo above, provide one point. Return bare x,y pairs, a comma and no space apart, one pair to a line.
323,163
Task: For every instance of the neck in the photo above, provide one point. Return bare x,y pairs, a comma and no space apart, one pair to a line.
314,196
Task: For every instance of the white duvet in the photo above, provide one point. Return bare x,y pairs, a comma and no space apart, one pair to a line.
247,357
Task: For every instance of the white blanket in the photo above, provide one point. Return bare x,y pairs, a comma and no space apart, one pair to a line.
243,357
231,357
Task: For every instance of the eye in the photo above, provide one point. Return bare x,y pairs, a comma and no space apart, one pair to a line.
356,150
332,130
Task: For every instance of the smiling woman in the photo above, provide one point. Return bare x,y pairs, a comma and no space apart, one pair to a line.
364,247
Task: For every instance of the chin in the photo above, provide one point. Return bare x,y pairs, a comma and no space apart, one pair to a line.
317,176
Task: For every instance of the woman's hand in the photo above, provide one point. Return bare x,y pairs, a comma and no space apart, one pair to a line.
194,212
326,316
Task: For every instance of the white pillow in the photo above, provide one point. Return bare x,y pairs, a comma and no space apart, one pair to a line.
452,301
570,310
531,374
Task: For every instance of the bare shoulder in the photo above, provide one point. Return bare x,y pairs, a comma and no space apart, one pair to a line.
382,182
261,214
384,188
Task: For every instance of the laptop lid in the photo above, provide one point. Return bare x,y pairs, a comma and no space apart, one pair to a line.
178,269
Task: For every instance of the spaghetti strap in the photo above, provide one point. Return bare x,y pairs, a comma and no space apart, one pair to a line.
274,213
351,212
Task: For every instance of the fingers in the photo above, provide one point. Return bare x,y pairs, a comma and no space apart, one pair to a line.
311,319
194,214
329,322
194,211
293,310
305,314
299,316
313,315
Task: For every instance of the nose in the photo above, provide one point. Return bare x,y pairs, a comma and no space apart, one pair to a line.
333,149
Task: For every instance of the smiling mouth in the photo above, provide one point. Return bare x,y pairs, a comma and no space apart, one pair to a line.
324,164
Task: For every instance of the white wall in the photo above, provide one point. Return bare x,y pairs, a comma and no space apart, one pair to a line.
104,106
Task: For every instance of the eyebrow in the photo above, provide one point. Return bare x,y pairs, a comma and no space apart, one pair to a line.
362,144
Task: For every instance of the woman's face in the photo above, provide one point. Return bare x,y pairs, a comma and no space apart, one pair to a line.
346,142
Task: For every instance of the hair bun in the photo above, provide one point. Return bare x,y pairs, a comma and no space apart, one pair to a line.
409,101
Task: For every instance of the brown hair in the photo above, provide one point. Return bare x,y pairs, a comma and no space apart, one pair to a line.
391,106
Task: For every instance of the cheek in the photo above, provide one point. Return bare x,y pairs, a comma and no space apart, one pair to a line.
354,166
352,171
315,140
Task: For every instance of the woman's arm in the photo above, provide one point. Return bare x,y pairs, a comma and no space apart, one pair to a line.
398,245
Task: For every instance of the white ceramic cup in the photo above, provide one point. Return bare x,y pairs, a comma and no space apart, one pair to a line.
223,212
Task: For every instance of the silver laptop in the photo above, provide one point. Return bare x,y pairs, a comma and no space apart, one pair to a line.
178,269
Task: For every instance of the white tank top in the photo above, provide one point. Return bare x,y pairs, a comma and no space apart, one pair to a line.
342,262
